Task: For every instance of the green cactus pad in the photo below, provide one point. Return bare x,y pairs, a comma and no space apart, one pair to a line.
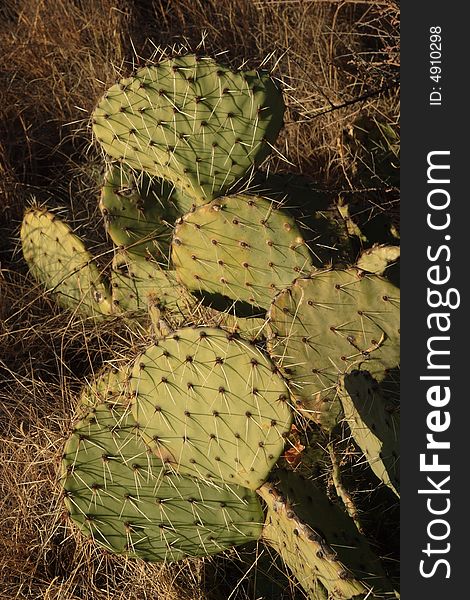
378,258
373,427
315,212
303,552
213,404
249,328
320,543
138,211
326,325
191,121
139,283
59,260
241,247
109,385
124,498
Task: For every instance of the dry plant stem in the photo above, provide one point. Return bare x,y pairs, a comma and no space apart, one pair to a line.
341,490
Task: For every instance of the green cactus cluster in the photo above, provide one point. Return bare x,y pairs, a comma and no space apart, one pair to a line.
175,450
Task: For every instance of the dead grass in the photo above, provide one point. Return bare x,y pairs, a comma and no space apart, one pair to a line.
338,62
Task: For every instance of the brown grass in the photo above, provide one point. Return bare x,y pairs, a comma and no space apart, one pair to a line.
338,62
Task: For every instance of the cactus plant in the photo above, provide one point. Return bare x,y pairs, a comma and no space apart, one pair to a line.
212,405
319,543
326,325
138,212
135,503
241,247
316,213
140,282
171,445
128,502
374,429
192,122
58,259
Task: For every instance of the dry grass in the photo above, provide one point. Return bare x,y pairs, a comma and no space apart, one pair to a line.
338,62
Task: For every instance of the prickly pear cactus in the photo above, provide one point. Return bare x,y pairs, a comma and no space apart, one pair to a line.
373,427
319,543
108,386
138,212
58,259
319,219
127,501
328,324
211,405
139,283
191,121
249,328
169,447
241,247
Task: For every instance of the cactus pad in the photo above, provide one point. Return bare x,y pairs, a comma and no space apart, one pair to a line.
319,543
314,210
109,385
212,404
139,283
138,211
191,121
249,328
124,498
373,428
326,325
59,260
241,247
